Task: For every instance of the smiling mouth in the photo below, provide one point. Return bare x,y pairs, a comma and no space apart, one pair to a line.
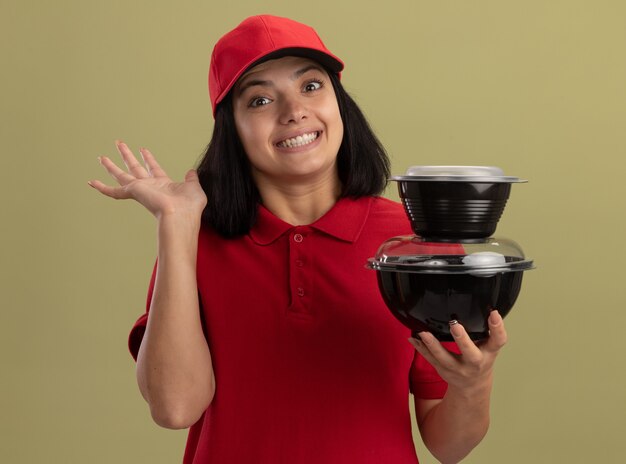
299,141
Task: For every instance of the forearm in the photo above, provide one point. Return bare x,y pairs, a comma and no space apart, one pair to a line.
174,369
458,423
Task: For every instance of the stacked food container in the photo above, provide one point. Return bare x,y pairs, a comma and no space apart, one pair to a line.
453,268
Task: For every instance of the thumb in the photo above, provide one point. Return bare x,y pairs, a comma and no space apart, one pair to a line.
191,176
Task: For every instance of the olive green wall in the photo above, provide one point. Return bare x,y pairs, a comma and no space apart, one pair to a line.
535,87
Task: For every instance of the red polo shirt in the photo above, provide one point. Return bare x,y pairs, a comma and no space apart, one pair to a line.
310,365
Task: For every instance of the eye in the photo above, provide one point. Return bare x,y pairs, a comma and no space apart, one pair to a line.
312,85
259,101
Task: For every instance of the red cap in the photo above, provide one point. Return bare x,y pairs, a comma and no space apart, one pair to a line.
261,38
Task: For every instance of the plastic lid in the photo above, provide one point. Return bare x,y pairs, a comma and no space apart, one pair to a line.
411,253
457,174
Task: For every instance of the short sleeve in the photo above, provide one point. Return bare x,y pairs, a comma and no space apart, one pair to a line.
139,328
425,381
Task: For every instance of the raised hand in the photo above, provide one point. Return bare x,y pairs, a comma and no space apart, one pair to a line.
150,185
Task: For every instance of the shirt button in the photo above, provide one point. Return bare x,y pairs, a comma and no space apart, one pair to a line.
300,291
298,238
299,263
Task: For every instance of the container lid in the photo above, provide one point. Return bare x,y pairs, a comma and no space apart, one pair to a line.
484,258
457,174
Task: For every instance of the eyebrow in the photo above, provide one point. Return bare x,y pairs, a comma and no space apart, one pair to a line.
265,83
306,69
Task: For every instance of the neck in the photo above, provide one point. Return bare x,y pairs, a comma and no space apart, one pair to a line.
300,204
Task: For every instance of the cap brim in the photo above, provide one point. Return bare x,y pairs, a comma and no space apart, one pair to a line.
331,62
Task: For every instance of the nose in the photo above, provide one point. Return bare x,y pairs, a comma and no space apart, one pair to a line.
293,110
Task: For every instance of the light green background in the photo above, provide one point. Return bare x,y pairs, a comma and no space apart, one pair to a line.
535,87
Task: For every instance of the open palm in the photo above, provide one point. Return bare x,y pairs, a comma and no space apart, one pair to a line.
150,185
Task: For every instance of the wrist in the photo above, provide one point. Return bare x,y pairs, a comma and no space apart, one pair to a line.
177,235
474,390
179,220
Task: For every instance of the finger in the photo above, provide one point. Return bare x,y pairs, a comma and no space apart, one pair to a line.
119,193
118,174
421,349
497,333
437,351
134,167
466,345
151,163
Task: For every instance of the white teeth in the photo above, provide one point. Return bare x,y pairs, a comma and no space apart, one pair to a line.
299,140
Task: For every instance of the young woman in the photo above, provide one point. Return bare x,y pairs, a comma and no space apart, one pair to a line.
264,333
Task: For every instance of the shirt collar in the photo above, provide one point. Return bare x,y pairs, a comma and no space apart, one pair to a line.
344,221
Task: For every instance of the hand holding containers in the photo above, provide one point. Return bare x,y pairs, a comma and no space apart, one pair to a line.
452,268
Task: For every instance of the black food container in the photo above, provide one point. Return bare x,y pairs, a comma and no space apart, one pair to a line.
454,202
426,284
